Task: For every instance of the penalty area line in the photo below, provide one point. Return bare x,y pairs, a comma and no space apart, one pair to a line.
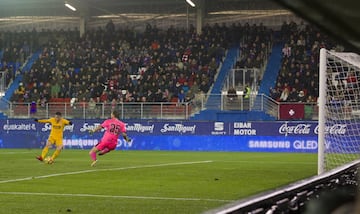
102,170
114,196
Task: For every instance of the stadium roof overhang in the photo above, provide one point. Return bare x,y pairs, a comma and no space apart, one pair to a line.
338,18
110,7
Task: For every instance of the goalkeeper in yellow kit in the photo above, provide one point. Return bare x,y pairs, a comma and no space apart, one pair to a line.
56,135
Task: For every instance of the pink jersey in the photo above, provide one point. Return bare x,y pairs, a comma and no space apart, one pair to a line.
113,128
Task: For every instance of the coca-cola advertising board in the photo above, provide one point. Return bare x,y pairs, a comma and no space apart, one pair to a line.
279,136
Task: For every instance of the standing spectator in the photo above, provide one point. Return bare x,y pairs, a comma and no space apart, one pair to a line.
55,90
181,96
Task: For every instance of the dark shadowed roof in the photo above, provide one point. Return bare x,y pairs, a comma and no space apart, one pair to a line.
106,7
340,18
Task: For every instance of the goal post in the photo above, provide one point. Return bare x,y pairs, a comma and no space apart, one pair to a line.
339,109
322,101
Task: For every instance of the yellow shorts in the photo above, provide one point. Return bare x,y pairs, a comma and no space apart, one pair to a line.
55,140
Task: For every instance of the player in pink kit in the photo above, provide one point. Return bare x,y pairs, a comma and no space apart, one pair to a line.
113,128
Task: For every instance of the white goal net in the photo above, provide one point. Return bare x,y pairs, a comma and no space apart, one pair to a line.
339,109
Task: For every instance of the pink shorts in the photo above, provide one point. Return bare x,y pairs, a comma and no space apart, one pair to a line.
109,145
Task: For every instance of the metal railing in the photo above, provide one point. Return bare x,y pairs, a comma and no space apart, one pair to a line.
254,102
101,110
239,102
240,77
4,104
2,83
154,110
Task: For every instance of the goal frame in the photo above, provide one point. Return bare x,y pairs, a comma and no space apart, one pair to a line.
322,103
336,149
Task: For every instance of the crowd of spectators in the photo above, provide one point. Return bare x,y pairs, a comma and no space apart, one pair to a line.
299,77
122,65
256,41
16,47
13,54
254,50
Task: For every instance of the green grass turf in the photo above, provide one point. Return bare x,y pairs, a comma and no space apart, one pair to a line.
230,176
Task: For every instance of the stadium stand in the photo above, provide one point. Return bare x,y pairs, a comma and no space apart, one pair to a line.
272,69
104,61
256,41
168,66
299,66
16,90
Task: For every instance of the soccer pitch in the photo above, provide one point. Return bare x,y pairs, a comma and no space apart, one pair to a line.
141,181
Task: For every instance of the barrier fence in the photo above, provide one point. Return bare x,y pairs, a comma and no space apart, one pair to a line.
2,83
102,110
165,110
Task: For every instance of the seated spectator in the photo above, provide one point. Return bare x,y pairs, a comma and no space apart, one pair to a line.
284,95
204,87
301,97
293,96
91,106
275,93
310,99
190,95
159,96
286,51
351,80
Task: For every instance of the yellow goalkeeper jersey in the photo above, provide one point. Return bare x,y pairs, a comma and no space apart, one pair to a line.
57,128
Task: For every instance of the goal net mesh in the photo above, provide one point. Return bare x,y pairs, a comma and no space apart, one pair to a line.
341,109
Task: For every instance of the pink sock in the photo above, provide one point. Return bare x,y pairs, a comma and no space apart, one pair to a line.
104,151
93,156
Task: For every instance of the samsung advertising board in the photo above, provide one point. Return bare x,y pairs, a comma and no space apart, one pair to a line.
190,136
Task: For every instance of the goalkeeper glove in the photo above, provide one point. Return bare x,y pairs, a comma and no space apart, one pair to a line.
91,131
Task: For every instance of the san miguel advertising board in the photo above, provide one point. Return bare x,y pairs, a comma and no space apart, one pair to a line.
276,136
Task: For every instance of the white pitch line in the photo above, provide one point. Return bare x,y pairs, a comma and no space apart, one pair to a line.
269,162
101,170
13,153
114,196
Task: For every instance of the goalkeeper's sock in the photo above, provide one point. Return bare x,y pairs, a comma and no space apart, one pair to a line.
104,151
44,152
93,156
56,153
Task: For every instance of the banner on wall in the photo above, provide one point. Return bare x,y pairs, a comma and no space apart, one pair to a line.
292,111
276,136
